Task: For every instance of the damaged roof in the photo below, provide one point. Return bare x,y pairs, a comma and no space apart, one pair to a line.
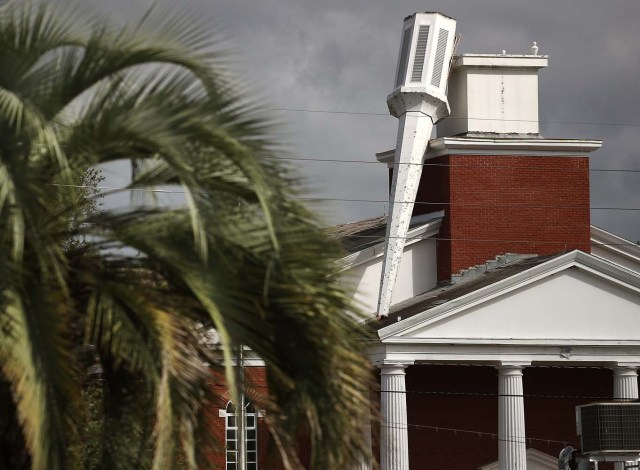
445,293
356,236
362,234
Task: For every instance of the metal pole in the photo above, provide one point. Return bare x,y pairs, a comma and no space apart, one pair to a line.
242,436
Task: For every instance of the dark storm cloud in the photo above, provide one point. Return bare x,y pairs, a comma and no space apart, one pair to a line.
341,55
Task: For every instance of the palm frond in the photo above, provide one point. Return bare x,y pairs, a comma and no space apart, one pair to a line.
241,257
29,355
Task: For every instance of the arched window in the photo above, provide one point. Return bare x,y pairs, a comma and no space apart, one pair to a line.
250,437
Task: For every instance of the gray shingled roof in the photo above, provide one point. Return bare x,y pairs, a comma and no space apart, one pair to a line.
445,293
356,236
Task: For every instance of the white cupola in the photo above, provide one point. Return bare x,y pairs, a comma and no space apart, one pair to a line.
493,94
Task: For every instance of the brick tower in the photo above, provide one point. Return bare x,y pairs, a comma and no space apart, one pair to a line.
503,187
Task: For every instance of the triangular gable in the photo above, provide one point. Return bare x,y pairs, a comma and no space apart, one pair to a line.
575,298
536,460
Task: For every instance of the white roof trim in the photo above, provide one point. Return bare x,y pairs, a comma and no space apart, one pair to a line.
587,354
498,60
515,341
597,266
502,146
614,243
510,146
414,235
534,456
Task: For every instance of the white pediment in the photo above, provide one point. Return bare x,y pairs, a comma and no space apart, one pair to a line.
576,299
536,460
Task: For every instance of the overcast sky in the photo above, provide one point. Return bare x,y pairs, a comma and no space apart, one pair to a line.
340,55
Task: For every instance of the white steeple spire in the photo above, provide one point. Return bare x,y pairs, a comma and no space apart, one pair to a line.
418,101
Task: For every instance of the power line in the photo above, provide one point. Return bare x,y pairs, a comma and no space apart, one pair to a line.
479,240
507,438
450,204
458,165
485,394
492,395
364,113
373,201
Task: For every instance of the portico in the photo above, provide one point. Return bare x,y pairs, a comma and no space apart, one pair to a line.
572,310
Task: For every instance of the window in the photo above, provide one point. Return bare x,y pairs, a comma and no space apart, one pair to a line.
250,437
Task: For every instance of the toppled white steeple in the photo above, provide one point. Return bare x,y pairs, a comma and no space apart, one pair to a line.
419,100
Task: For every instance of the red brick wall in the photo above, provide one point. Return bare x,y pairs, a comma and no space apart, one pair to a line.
256,378
268,458
458,408
499,204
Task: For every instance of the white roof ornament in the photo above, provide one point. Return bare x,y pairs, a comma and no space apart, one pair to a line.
419,100
504,52
534,48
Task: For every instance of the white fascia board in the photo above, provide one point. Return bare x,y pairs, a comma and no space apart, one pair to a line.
516,341
501,146
414,235
387,157
607,269
507,146
597,266
533,456
614,243
504,61
599,355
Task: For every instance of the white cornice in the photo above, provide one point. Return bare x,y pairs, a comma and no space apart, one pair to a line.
510,146
613,243
516,61
515,341
502,146
597,266
533,456
598,354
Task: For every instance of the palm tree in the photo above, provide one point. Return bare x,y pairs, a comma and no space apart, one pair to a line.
140,290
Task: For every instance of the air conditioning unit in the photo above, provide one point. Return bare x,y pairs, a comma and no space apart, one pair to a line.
609,428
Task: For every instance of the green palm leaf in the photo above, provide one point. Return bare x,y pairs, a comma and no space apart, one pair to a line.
136,294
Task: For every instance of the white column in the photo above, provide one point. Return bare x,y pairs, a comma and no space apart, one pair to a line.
625,388
394,437
625,383
512,450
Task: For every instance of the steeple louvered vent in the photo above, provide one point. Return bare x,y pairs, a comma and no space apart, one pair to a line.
443,37
404,56
421,49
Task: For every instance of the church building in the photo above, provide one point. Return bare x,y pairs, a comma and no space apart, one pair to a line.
509,308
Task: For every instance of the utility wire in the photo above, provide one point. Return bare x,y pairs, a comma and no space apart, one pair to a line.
458,165
479,240
490,394
364,113
508,438
374,201
452,204
487,394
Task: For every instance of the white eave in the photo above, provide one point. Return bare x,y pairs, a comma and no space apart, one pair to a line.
621,246
499,60
470,145
414,235
593,264
510,146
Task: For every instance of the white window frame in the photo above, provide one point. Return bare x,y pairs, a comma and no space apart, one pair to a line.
231,436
